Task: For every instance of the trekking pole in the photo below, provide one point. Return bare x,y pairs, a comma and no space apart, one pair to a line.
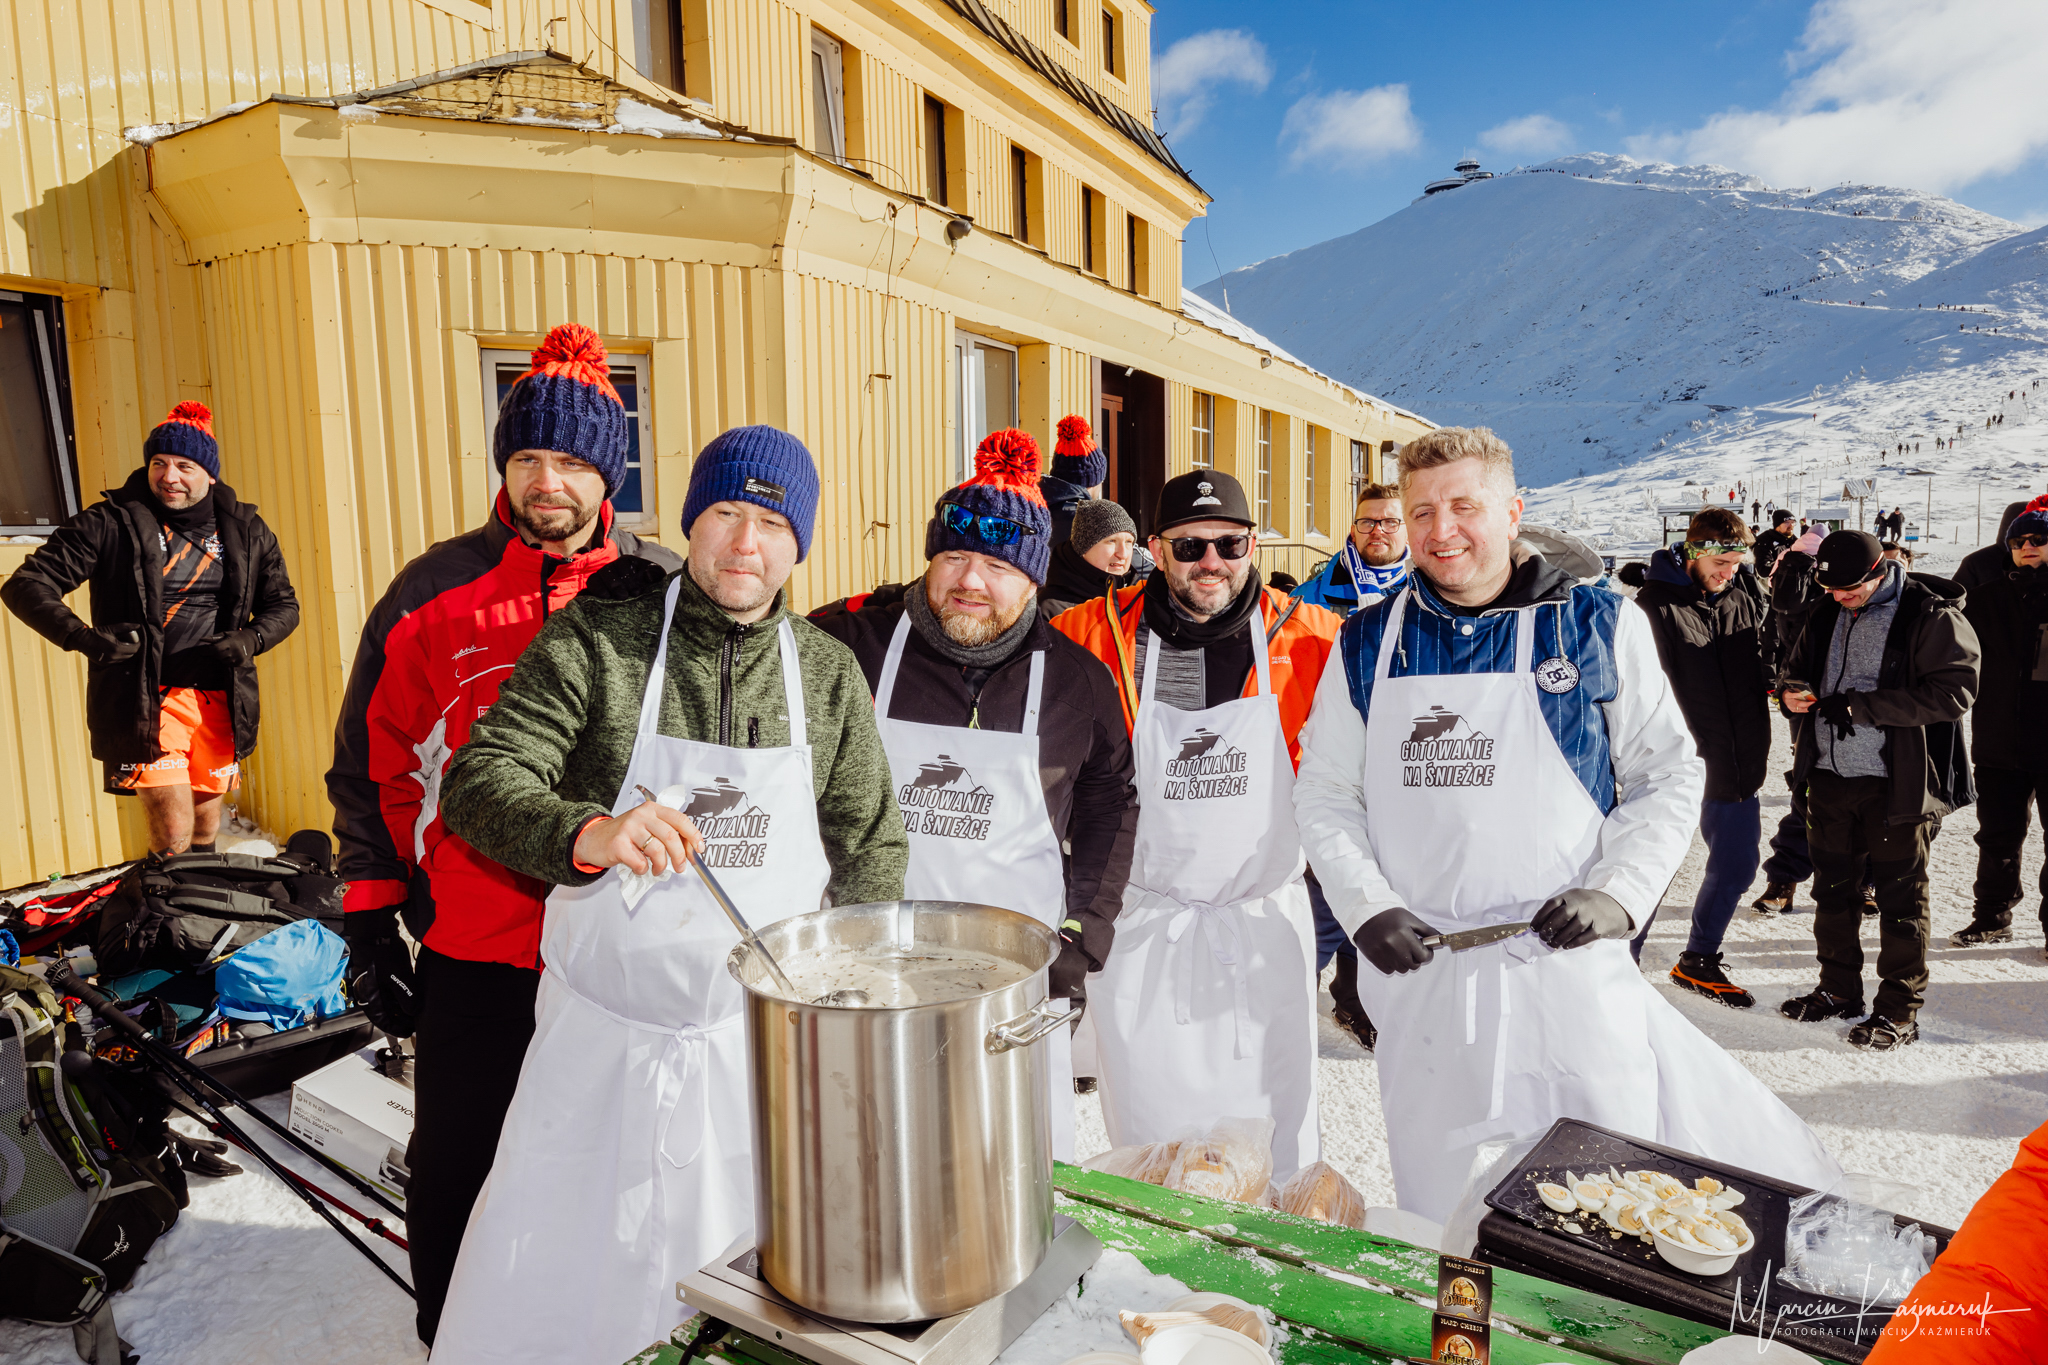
63,978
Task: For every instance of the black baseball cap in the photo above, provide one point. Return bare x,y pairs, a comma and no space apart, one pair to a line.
1201,495
1847,558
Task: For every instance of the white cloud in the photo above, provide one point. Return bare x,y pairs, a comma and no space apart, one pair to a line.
1931,94
1185,77
1351,127
1530,135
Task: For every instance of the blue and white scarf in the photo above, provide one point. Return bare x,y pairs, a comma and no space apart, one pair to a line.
1373,584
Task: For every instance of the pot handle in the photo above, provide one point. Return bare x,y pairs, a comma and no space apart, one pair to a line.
1030,1026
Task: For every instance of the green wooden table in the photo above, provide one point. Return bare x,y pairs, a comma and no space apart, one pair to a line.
1343,1296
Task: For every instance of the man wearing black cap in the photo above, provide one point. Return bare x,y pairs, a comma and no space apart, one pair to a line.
1206,1006
1877,678
1774,542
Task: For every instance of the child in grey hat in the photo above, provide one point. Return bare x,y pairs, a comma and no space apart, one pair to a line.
1101,552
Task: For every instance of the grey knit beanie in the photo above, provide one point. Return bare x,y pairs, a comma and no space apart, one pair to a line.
1096,520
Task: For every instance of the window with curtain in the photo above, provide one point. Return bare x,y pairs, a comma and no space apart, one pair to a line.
1358,479
1263,511
985,397
633,504
1205,430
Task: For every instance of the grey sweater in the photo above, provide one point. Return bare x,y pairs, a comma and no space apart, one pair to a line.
1855,653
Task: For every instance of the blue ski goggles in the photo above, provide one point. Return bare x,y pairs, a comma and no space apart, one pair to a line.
990,530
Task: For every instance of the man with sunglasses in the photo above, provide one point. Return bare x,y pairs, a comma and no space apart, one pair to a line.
1708,618
1004,737
1499,752
1876,680
2009,725
1207,1006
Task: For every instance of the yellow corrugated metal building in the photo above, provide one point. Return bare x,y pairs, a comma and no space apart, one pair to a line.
887,225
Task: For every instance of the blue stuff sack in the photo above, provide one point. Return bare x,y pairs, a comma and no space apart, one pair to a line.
288,977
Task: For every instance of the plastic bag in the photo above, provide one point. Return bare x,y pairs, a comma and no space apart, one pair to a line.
1149,1161
1846,1250
1321,1192
1234,1161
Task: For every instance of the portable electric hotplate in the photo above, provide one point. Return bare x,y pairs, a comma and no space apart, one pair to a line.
731,1290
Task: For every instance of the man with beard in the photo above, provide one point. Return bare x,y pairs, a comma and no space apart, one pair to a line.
1005,738
1207,1006
428,664
187,587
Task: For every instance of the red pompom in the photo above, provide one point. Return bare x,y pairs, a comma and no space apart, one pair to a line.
574,350
1008,458
192,414
1076,440
2039,504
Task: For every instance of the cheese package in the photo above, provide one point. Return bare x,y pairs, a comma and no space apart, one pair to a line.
1321,1192
1234,1161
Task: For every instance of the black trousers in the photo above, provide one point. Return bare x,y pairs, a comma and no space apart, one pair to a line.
2004,796
476,1019
1845,824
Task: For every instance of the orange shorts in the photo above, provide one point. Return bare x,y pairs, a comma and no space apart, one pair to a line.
196,733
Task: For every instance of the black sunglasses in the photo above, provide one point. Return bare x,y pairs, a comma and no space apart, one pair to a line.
992,530
1190,549
2033,540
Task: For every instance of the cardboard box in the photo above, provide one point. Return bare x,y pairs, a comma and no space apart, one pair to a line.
358,1116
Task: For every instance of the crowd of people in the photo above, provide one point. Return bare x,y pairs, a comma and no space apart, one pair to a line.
1448,765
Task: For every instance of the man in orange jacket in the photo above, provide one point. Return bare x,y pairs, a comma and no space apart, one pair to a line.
1206,1006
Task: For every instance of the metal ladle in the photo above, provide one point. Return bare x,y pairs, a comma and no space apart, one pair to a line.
752,939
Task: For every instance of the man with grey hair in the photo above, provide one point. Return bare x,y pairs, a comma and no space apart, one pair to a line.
1499,769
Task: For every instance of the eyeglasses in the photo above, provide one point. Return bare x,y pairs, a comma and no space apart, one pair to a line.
1700,549
1367,524
2033,540
1190,549
991,530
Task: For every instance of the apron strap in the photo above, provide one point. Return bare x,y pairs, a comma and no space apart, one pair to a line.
650,701
885,686
1390,639
1262,653
1223,926
1525,642
792,685
1035,693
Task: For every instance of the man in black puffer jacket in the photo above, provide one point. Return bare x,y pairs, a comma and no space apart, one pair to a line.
2009,725
187,587
1708,618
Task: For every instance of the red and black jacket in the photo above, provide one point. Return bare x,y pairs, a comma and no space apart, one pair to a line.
430,660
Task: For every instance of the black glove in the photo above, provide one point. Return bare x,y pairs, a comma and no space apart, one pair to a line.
380,970
1069,975
1392,941
1579,917
115,644
1835,711
236,648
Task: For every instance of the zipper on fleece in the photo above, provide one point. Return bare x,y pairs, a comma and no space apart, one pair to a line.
728,654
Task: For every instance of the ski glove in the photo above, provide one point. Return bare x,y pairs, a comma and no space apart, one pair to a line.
1835,711
236,648
1392,941
1069,975
380,970
1579,917
115,644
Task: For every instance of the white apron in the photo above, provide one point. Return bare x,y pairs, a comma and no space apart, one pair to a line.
626,1159
1206,1007
974,807
1475,818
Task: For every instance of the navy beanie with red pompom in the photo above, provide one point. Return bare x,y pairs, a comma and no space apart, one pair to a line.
1075,457
186,433
1005,484
566,403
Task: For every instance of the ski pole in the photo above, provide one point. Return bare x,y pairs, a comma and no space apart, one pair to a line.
63,978
376,1225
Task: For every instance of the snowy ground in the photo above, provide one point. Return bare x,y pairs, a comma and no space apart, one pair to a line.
250,1276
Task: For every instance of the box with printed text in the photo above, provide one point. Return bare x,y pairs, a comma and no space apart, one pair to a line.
358,1116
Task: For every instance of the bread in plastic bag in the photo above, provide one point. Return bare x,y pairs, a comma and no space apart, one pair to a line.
1321,1192
1148,1161
1846,1250
1140,1326
1233,1160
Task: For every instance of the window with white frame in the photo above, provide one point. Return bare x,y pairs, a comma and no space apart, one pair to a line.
38,491
1205,430
633,504
1263,512
985,397
1308,481
1358,479
828,97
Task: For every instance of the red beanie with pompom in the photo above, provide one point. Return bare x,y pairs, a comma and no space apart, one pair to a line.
565,402
1001,512
187,434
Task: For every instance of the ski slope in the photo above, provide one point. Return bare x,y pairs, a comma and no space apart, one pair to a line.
1633,328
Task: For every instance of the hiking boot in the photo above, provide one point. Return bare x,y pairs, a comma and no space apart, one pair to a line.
1084,1085
1359,1027
1776,899
1879,1034
1701,973
1869,901
1820,1005
1979,935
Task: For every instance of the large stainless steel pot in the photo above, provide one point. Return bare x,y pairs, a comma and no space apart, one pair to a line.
902,1157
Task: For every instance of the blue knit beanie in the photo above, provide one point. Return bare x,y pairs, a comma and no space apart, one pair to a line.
188,434
1075,457
566,403
1005,484
762,465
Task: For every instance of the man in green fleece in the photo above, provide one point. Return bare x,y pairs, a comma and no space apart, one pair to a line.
754,734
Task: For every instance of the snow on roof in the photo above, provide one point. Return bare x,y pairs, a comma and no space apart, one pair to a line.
1199,309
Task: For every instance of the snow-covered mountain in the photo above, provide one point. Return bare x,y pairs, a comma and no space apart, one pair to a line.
1628,326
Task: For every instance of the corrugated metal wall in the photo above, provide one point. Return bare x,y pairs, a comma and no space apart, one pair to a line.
758,63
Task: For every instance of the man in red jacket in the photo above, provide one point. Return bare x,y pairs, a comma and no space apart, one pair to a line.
429,662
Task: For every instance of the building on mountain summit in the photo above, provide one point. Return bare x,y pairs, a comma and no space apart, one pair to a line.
1464,173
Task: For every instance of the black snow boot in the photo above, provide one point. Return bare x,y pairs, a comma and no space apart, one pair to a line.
1979,935
1776,899
1820,1005
1879,1034
1350,1012
1701,973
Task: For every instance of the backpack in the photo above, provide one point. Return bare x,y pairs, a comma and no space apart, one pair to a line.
174,913
88,1180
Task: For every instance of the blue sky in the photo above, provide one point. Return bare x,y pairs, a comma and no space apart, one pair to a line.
1308,119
